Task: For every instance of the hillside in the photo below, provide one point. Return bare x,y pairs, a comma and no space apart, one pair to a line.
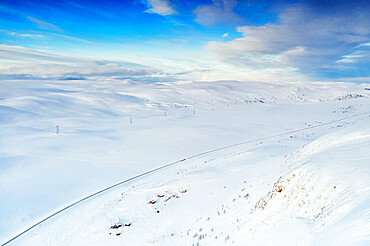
301,177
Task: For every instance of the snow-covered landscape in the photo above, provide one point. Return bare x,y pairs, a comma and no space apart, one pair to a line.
184,122
296,170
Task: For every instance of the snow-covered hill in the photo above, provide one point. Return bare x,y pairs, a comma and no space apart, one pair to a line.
309,187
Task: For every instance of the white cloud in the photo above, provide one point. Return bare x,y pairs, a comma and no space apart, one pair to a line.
220,11
17,62
364,45
350,59
346,60
81,70
26,35
19,53
45,35
225,35
303,39
23,62
161,7
43,25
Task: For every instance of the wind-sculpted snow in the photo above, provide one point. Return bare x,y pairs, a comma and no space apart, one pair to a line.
63,140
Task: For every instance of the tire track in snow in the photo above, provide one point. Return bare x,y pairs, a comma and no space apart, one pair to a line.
176,162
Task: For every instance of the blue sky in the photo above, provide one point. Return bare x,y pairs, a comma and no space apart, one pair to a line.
184,39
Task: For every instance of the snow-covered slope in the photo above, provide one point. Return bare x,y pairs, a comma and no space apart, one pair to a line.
309,187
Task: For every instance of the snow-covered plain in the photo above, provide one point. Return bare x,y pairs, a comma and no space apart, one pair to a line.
310,187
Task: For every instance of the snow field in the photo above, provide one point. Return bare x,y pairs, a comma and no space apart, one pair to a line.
97,146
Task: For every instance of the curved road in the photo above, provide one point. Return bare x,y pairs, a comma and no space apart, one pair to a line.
176,162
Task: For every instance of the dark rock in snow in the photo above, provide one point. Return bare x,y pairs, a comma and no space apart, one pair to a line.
115,226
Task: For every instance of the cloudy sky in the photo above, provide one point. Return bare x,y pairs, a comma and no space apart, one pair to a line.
167,40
